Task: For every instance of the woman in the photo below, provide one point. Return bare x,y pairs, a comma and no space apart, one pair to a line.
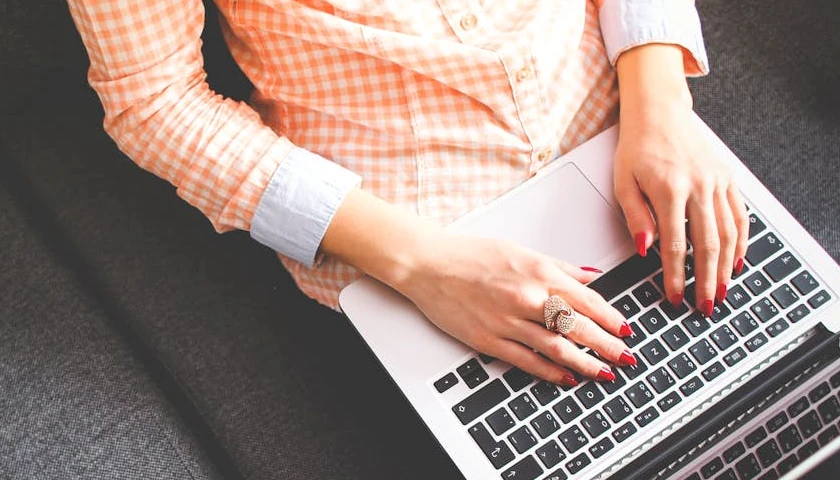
373,122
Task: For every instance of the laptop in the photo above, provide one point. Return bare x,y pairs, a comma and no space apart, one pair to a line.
752,392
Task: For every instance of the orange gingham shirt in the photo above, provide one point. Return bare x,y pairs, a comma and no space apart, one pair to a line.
435,106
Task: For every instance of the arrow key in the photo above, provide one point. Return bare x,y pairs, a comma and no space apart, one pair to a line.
525,469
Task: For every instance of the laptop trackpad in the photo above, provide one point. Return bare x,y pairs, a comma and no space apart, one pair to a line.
559,213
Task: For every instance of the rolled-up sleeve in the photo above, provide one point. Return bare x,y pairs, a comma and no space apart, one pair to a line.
630,23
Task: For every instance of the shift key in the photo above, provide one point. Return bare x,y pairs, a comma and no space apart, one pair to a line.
481,401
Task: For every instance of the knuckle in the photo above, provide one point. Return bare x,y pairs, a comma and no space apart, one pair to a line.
708,245
674,247
729,234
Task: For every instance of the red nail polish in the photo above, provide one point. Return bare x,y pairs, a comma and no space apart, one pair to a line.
591,269
739,265
641,243
625,330
606,375
721,293
570,380
676,299
627,358
707,308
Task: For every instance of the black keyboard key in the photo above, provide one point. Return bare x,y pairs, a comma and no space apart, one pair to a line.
777,421
617,409
654,352
734,452
523,406
682,365
581,461
807,450
782,266
748,467
669,401
769,475
522,439
691,386
756,225
785,296
545,392
650,414
828,435
525,469
558,474
603,446
763,247
634,371
646,294
691,293
787,464
446,382
673,312
819,299
652,320
660,380
764,309
675,337
696,324
500,421
573,439
729,474
756,342
550,454
834,380
481,401
702,351
744,323
637,336
768,453
689,267
545,424
720,312
624,432
797,407
498,453
713,371
723,338
755,436
829,410
804,282
818,392
777,327
517,379
595,424
567,409
711,468
589,394
789,438
472,373
615,385
639,394
486,359
737,297
757,283
744,269
627,306
735,356
809,424
659,280
798,313
625,275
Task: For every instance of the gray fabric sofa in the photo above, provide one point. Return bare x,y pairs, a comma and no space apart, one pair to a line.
137,343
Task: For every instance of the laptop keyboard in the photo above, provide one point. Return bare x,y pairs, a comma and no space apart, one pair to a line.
531,429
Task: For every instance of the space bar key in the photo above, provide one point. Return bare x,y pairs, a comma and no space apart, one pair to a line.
481,401
626,274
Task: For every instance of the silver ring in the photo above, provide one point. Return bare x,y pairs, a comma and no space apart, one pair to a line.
559,315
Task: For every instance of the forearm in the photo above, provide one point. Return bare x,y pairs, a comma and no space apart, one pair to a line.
649,77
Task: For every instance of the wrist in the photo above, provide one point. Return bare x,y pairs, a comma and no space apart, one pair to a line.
651,76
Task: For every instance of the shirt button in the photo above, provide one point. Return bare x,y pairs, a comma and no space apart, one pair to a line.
468,21
524,73
544,155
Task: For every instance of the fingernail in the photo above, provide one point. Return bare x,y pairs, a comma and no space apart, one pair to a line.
641,243
739,265
721,293
591,269
627,358
606,375
625,330
570,380
676,299
707,308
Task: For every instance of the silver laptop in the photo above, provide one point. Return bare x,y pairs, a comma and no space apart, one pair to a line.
753,392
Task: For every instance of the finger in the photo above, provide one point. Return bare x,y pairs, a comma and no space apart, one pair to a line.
637,214
588,302
742,223
670,213
563,351
529,361
706,242
728,233
583,274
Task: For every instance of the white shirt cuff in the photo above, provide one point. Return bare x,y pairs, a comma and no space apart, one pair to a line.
629,23
299,203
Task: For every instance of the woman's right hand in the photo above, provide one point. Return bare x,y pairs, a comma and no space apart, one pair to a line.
490,295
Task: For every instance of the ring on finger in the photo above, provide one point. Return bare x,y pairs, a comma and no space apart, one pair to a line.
559,316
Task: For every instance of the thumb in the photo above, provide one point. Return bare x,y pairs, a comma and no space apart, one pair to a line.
637,215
